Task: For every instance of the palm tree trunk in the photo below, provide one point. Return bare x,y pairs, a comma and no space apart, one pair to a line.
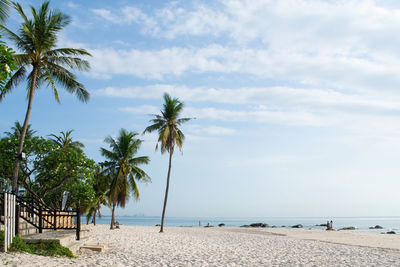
166,191
23,133
94,217
112,216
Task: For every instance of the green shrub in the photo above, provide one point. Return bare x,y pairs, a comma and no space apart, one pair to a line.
19,245
1,239
44,248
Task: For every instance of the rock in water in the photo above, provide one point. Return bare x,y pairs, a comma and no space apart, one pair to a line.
376,227
221,224
297,226
391,232
259,225
348,228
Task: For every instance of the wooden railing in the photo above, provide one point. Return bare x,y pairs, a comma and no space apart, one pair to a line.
43,217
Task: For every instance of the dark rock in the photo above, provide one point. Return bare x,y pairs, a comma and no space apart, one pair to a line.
221,224
376,227
263,225
322,224
245,225
283,226
273,226
348,228
391,233
297,226
158,224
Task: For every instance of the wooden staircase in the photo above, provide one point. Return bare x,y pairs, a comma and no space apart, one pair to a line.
33,216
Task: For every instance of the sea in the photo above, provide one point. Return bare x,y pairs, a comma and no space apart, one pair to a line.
362,224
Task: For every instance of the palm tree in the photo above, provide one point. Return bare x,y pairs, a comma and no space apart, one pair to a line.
17,129
122,165
101,187
64,140
169,135
37,39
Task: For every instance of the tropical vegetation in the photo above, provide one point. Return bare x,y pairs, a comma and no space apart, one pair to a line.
49,65
122,165
169,135
49,170
7,61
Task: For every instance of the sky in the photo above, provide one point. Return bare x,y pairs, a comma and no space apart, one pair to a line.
296,102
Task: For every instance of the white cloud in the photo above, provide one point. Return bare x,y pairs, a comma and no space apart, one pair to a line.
259,115
72,5
335,44
209,130
272,159
127,15
275,97
332,71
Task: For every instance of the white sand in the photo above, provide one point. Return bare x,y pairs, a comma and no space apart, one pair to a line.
178,246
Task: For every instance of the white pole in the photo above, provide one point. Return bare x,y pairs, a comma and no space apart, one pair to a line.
9,220
5,223
13,216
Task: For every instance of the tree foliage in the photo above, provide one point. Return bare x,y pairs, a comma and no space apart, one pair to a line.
49,170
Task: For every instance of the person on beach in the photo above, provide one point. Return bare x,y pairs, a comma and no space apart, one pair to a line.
329,225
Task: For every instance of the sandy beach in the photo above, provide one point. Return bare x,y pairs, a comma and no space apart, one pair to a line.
181,246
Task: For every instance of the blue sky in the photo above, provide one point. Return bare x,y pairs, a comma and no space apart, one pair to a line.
296,103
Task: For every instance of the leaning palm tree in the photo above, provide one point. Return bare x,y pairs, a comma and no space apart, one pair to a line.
169,135
64,140
36,39
122,164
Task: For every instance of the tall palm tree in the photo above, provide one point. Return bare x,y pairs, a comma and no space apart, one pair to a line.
169,135
36,39
64,140
122,164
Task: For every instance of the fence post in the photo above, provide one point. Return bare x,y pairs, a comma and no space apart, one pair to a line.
40,220
5,222
17,211
9,225
78,223
55,219
12,216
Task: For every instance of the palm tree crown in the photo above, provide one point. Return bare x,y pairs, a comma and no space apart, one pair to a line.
37,39
17,130
122,164
64,140
167,125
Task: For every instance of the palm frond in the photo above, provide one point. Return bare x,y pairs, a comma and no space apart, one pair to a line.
13,82
68,81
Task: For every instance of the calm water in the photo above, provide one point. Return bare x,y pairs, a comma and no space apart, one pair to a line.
361,223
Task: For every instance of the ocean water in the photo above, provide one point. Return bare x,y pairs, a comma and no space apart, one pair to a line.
361,223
